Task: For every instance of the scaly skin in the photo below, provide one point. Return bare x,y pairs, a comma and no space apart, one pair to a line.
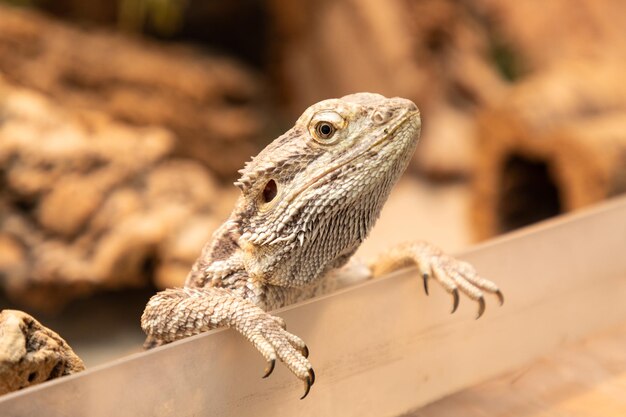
308,201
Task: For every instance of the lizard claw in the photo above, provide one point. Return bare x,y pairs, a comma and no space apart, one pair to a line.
270,368
308,383
458,277
455,300
500,297
270,338
481,307
455,276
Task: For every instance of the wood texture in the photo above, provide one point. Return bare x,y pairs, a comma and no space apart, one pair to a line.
585,379
381,348
88,203
556,136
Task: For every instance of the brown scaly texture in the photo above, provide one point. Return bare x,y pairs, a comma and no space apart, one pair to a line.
308,201
30,353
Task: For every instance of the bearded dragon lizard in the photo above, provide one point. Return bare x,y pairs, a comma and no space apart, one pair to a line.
307,202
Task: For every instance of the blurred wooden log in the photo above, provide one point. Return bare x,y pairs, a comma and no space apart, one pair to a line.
88,203
434,52
213,105
555,144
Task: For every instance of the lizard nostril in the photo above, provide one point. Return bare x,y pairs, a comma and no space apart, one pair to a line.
381,116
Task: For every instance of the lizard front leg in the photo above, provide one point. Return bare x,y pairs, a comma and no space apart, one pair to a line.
177,313
454,275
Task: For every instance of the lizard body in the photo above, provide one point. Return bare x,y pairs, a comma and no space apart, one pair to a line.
308,201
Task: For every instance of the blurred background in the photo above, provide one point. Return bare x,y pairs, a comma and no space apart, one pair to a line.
122,126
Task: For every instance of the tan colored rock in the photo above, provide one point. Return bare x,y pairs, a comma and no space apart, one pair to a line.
12,256
67,219
31,353
185,245
184,181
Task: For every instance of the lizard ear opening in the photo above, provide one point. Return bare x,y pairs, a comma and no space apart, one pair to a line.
270,191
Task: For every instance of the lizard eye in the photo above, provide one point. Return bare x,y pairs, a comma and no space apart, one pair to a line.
270,191
325,130
325,127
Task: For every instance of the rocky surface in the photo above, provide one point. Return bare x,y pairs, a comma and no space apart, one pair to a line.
30,353
88,203
209,103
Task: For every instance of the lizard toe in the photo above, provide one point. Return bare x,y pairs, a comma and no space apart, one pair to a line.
287,347
308,382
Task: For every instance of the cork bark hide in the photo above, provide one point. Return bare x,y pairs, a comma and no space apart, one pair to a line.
89,203
556,143
215,107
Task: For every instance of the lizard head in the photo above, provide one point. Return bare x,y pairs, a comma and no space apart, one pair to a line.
319,188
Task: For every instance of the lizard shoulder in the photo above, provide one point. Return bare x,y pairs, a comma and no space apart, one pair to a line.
220,258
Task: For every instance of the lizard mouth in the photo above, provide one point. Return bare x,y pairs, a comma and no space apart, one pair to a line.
389,133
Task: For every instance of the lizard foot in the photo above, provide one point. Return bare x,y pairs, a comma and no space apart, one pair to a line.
453,275
268,334
182,312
